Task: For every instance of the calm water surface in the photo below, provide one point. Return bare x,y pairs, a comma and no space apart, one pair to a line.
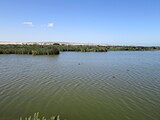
81,86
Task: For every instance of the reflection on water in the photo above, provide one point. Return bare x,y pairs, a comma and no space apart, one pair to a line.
81,86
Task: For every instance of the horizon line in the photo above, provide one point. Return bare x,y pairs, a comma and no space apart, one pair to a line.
70,43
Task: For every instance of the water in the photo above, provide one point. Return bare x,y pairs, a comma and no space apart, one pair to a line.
81,86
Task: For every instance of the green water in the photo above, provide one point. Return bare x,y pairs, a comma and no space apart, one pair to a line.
81,86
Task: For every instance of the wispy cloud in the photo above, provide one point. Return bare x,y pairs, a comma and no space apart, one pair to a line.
50,25
30,24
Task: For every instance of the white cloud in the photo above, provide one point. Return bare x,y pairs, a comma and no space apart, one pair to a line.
50,25
30,24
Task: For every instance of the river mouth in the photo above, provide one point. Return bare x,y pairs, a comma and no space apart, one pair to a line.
81,86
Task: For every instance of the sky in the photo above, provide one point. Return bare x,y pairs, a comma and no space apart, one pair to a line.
115,22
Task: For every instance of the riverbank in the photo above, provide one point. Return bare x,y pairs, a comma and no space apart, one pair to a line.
56,48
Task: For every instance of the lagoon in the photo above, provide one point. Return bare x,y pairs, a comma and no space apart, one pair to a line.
119,85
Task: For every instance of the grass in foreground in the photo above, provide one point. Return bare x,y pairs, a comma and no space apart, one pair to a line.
36,117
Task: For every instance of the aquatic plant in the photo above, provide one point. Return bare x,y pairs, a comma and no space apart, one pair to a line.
36,49
29,49
36,117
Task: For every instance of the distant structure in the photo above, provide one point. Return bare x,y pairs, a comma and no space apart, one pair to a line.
49,43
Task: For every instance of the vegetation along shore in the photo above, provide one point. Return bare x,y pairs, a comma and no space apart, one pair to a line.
53,49
37,117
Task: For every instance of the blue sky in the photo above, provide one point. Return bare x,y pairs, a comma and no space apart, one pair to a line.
117,22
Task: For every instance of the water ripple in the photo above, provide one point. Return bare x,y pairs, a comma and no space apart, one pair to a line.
118,85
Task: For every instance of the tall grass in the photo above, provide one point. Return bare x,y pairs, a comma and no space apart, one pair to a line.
36,117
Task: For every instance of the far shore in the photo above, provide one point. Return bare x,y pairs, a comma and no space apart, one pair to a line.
56,47
50,43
